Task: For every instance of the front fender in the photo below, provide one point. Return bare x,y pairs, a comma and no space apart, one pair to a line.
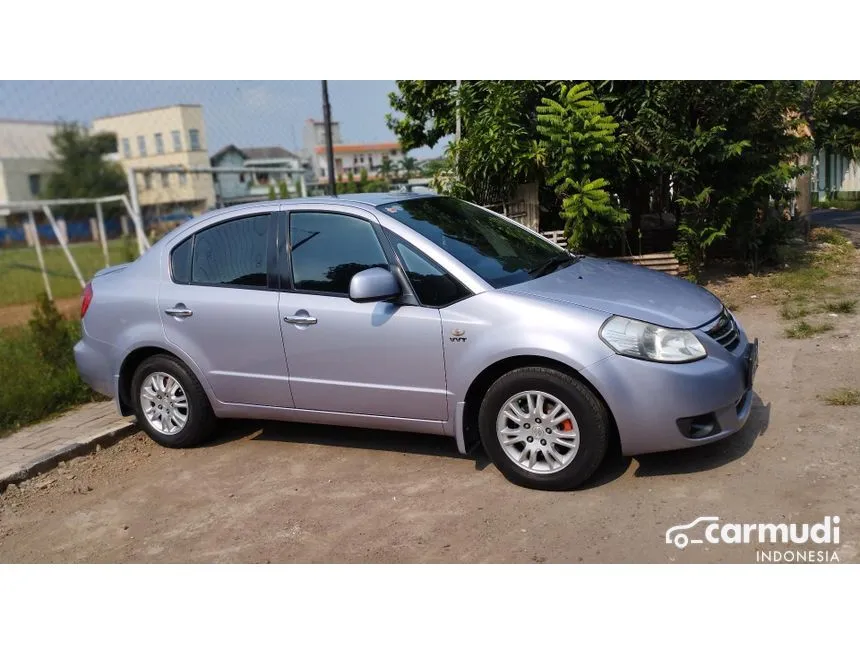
493,326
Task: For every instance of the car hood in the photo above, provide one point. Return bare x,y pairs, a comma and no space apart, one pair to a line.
626,290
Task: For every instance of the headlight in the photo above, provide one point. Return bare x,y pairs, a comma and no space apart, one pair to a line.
644,340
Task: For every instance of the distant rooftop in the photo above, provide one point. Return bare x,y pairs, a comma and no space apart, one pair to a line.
21,139
361,147
269,152
155,109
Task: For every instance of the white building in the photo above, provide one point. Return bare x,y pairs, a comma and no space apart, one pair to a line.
25,160
835,175
348,157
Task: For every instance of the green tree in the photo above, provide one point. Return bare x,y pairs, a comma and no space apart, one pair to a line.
578,137
362,181
386,169
408,165
350,183
298,186
424,112
272,194
283,192
81,168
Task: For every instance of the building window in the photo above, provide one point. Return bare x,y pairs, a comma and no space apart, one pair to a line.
141,145
183,179
322,171
194,139
165,180
159,144
147,180
35,184
126,148
241,177
177,141
263,178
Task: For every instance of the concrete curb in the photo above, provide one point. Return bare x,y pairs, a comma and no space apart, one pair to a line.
75,448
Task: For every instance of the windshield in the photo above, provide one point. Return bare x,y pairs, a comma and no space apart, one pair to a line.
491,245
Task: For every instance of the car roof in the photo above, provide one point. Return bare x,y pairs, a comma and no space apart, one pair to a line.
368,199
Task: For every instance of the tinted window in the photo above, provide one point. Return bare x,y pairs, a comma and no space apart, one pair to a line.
328,249
232,253
492,246
433,286
180,262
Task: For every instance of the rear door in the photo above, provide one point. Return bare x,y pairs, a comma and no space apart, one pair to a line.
220,306
375,358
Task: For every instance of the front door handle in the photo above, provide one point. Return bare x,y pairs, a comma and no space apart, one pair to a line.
179,310
300,320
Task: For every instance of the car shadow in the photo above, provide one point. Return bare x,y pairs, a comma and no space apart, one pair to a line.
340,436
615,465
709,456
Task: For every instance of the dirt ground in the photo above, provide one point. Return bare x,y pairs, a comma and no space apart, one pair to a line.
300,493
14,315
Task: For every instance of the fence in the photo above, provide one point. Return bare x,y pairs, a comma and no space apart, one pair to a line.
663,262
75,231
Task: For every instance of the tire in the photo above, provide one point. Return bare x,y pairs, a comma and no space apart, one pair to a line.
589,431
199,418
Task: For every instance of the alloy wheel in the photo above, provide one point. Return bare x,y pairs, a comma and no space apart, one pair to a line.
538,432
164,403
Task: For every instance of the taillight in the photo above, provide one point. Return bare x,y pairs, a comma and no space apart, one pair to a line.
86,298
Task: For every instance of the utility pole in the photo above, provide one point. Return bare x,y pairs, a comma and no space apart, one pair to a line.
332,185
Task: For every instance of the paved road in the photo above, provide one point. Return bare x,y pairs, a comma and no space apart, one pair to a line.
847,221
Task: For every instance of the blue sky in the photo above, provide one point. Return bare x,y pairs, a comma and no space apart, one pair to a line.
245,113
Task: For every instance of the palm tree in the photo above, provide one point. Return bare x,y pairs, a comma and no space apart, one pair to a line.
408,165
386,168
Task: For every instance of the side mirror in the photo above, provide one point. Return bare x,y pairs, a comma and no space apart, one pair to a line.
372,285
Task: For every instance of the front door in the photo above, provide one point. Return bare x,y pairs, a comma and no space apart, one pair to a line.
221,308
372,358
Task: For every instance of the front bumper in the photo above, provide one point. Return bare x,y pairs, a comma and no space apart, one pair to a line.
648,399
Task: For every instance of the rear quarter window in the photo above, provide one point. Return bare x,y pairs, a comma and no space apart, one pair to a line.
180,262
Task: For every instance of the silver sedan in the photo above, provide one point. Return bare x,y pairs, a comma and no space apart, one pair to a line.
414,313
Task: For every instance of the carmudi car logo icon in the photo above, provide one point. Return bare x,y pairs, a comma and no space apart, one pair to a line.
677,536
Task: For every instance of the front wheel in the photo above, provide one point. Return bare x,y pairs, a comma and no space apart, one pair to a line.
170,403
543,428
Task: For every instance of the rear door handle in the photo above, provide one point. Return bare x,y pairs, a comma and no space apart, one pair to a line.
179,310
300,320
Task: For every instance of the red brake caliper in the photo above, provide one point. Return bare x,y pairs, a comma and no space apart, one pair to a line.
567,425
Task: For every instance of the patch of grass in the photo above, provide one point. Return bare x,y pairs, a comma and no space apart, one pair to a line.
22,278
822,234
803,329
841,306
34,387
842,396
793,313
803,279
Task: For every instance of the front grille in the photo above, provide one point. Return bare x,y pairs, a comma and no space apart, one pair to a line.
724,330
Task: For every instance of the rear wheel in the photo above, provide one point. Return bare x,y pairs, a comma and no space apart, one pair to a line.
543,428
170,403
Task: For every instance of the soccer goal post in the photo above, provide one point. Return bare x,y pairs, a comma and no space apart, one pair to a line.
47,205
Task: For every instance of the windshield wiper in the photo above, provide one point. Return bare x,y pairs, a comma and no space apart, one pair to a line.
554,263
